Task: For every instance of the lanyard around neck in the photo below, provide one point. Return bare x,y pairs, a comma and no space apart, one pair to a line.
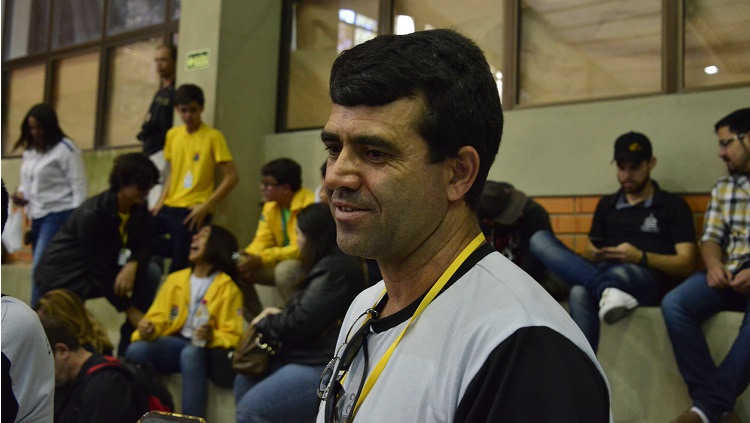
431,294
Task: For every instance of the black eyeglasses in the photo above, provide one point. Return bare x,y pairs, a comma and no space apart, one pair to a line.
330,387
725,143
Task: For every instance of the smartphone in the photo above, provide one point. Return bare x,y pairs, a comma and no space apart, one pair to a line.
164,417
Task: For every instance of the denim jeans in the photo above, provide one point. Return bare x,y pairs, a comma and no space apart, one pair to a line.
588,280
713,389
170,238
175,354
287,394
42,232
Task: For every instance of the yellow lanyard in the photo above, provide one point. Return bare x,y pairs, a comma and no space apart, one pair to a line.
370,382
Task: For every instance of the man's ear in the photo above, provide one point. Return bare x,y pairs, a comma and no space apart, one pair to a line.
464,169
61,351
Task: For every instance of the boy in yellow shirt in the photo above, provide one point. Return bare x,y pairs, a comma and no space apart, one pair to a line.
193,152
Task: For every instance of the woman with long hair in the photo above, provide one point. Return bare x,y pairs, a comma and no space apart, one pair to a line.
168,337
66,307
53,178
306,328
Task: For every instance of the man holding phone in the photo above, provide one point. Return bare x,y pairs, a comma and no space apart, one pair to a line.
642,241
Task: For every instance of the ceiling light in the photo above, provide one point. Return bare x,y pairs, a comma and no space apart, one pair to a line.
711,70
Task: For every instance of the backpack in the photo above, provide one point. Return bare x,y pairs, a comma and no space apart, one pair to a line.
149,393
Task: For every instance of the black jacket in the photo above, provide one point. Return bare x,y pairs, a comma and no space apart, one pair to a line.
308,327
83,255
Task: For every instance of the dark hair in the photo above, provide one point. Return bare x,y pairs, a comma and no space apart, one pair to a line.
133,169
6,201
738,121
172,50
316,222
285,171
45,114
220,247
58,333
449,71
187,93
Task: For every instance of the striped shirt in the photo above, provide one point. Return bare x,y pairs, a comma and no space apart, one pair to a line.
727,221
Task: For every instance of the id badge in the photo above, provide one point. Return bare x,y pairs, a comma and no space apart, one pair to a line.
125,254
188,181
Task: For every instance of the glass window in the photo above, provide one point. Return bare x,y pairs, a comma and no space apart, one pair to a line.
126,15
27,28
716,42
583,49
25,89
75,90
320,30
131,84
76,21
176,6
480,20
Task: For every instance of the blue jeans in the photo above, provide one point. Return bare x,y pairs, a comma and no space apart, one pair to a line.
588,280
713,389
175,354
287,394
42,232
175,246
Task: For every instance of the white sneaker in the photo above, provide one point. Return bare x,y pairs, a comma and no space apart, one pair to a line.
615,304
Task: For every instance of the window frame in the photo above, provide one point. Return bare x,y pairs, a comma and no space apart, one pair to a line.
105,44
672,57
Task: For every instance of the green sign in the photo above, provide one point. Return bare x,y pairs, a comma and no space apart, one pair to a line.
197,60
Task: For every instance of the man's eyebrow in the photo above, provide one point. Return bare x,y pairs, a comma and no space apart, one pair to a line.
368,140
328,136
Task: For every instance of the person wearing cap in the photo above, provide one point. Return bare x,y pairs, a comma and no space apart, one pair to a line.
723,286
642,240
508,219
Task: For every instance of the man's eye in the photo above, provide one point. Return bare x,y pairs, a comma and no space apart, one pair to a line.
377,155
333,150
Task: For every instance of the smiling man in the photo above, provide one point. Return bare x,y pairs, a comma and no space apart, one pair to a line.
101,250
642,242
455,331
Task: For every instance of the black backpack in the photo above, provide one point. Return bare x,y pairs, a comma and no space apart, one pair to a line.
149,393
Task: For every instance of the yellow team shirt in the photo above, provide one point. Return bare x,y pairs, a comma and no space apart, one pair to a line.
193,159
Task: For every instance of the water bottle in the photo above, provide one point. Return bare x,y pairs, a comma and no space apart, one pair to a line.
199,319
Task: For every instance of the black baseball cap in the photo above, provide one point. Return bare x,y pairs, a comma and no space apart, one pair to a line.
633,147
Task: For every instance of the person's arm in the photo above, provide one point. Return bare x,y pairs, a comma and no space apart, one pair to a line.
159,316
92,232
536,375
717,275
681,264
714,234
333,284
598,231
75,174
165,188
226,321
229,179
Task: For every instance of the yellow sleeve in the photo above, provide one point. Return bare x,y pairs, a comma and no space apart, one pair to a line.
220,148
264,237
161,313
227,323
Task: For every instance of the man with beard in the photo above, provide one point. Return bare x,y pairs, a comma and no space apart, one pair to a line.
641,238
724,285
